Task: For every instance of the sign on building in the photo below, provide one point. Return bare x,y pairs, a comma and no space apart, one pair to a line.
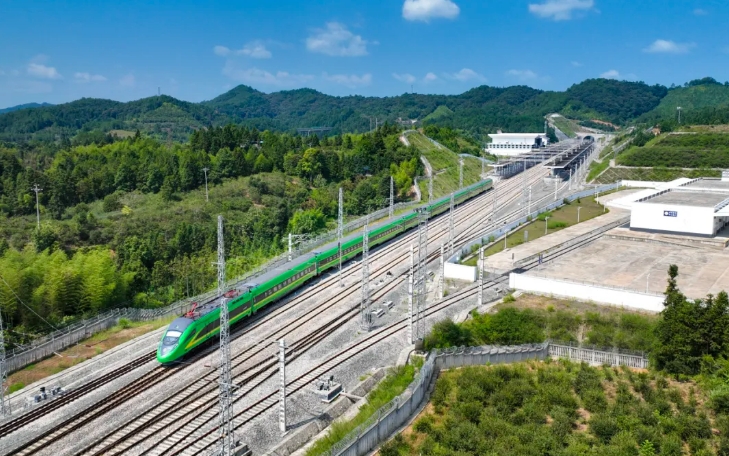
670,213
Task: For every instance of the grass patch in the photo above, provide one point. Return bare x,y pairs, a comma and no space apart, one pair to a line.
393,385
532,319
567,126
86,349
445,166
559,219
597,168
16,387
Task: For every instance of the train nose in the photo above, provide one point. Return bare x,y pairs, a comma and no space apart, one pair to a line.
166,350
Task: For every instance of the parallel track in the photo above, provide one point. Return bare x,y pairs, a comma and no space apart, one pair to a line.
127,392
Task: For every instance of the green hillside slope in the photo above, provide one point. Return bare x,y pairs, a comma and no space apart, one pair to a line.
445,166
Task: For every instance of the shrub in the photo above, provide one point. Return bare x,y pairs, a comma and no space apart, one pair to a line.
424,425
556,225
509,298
112,202
604,427
720,399
442,389
394,446
671,445
125,323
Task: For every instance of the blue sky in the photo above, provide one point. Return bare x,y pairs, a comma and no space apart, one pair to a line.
58,51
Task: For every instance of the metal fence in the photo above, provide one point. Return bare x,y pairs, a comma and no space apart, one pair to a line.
597,357
392,416
506,229
46,346
574,241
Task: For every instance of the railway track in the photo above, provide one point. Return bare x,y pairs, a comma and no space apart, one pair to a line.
205,438
160,425
122,396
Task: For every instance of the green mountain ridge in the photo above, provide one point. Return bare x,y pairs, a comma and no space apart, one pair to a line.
479,111
23,106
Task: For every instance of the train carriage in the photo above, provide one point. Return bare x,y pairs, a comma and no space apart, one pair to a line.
202,323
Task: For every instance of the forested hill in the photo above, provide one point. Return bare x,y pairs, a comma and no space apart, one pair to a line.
24,106
480,110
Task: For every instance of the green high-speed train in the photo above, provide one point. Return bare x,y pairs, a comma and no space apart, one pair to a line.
198,326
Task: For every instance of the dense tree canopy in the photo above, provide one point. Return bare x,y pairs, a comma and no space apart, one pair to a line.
124,223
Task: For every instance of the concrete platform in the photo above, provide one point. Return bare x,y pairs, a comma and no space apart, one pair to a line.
503,261
643,266
719,242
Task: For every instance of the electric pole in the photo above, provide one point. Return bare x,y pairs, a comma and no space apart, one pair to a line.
225,398
282,375
420,285
366,320
480,276
430,188
460,173
411,277
441,277
451,225
392,196
36,189
340,231
4,402
205,170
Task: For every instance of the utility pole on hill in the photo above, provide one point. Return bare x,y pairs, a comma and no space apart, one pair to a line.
205,170
36,189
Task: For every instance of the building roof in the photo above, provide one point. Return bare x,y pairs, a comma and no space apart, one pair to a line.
712,184
515,135
688,198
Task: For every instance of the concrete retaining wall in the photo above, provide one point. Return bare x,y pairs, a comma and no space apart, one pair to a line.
459,272
586,292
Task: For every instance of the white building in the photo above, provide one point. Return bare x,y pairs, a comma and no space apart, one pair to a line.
508,144
699,207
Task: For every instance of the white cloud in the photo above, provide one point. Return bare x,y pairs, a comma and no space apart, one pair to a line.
405,77
522,75
336,40
611,74
349,80
88,77
576,64
467,74
221,51
430,77
700,12
668,47
41,71
560,10
263,77
255,49
424,10
128,80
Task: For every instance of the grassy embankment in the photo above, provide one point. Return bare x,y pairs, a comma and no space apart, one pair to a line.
567,126
559,219
445,166
84,350
391,386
